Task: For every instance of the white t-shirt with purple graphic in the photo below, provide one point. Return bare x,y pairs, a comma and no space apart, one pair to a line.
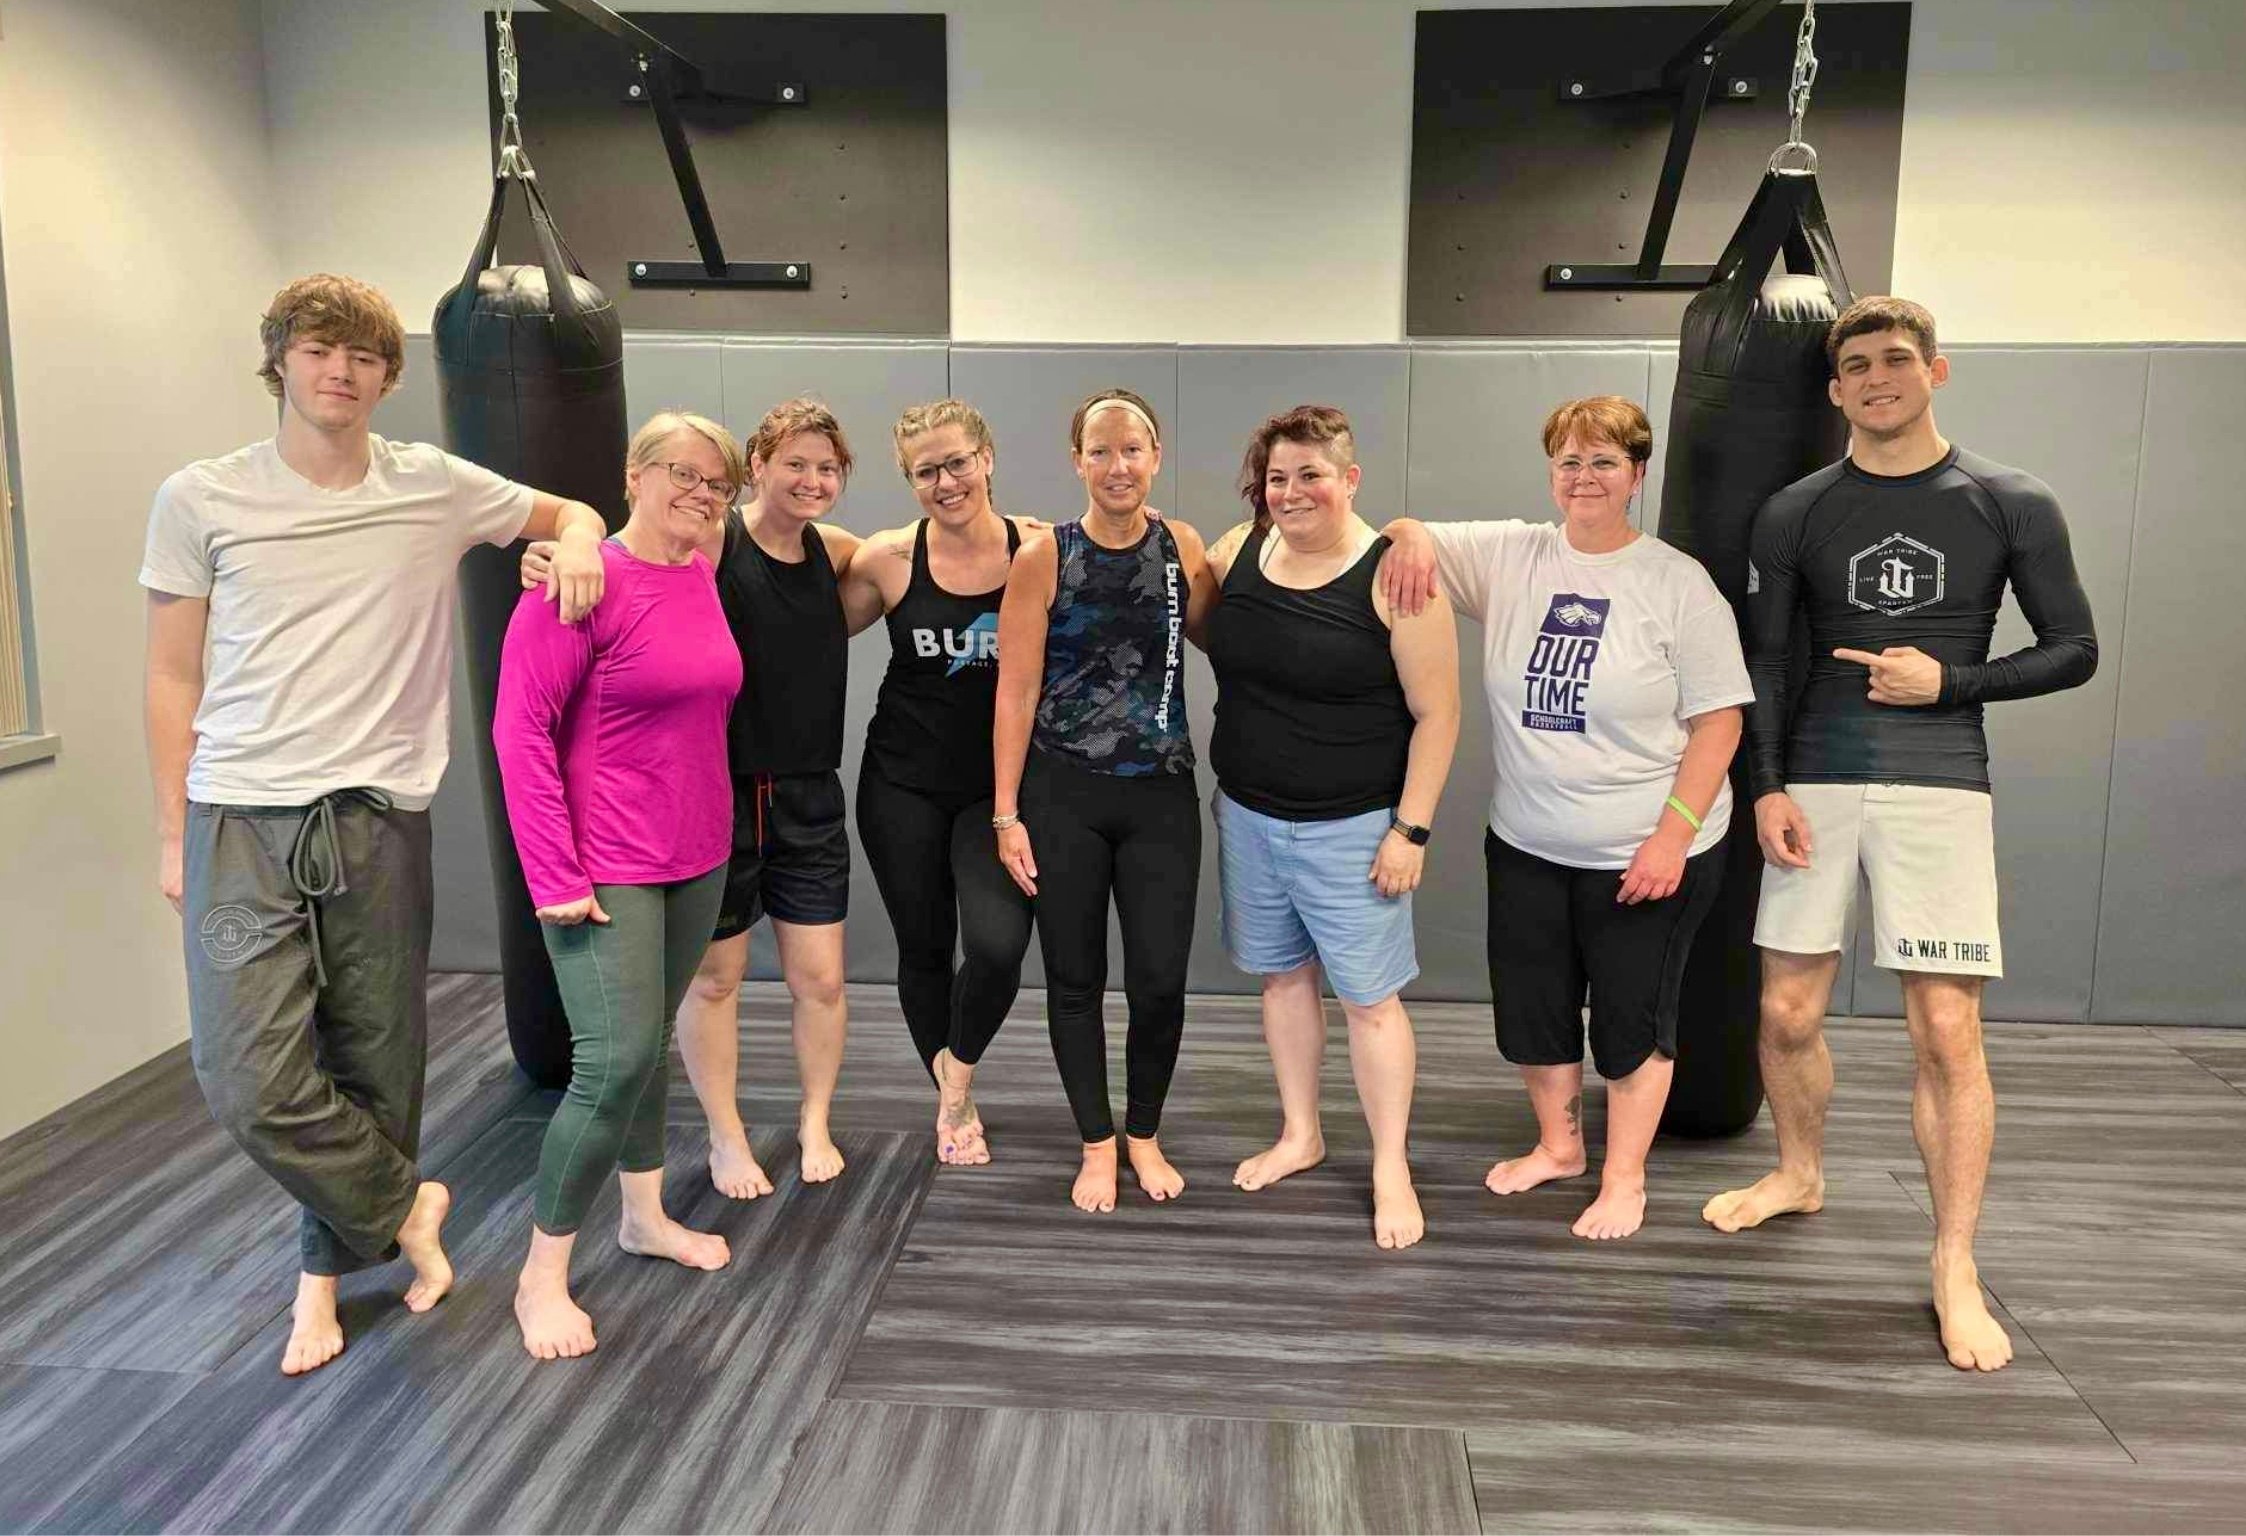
1593,664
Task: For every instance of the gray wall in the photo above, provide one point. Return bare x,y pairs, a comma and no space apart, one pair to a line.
2122,857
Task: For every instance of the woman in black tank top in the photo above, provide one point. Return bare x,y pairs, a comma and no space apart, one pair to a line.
1094,789
779,572
924,784
1335,723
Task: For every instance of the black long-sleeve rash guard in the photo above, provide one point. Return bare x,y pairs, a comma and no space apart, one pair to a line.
1919,560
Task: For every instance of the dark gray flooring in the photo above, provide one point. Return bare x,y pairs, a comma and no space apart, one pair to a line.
919,1349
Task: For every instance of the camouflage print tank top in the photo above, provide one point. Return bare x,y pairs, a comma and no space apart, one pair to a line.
1114,695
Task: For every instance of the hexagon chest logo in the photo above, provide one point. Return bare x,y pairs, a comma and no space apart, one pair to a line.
1896,575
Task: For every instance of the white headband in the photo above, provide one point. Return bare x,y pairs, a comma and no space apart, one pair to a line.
1116,401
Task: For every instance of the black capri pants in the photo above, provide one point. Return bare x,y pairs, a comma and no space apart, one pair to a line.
1555,930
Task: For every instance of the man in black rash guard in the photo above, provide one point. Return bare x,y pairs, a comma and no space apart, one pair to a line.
1898,556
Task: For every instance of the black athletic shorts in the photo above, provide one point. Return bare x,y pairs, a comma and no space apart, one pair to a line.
1555,930
791,852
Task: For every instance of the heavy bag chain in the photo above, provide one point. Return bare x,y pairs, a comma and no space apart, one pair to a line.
1797,90
512,159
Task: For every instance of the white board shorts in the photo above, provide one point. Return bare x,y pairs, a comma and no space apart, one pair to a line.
1929,856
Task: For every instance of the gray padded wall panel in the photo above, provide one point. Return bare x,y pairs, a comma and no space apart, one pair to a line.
1225,392
2073,419
867,386
1027,395
673,373
2172,918
2163,924
1661,387
1475,414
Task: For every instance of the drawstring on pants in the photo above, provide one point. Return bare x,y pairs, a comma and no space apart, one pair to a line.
316,861
764,794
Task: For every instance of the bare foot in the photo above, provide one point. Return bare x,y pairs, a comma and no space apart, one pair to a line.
1776,1193
1397,1219
1619,1211
315,1336
1973,1339
734,1168
554,1327
1289,1154
821,1159
420,1240
666,1239
959,1125
1540,1166
1095,1181
1154,1172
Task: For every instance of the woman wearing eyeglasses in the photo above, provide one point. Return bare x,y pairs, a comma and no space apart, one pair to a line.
1615,684
611,737
779,570
924,786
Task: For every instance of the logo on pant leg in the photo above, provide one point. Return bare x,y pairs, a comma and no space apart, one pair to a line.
230,934
1895,575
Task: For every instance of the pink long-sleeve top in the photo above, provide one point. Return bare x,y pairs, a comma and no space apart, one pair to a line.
611,732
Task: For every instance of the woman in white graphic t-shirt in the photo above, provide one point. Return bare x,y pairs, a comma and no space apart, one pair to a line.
1615,684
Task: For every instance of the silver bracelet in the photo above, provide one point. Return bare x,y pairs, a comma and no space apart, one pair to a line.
1001,823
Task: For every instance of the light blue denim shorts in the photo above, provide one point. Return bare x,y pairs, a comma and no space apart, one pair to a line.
1296,891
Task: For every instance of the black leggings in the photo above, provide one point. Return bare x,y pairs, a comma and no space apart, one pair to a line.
935,860
1139,838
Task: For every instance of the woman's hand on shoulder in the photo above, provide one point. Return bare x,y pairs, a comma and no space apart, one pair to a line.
1407,568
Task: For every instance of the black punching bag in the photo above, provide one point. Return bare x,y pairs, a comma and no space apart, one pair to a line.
530,377
1750,416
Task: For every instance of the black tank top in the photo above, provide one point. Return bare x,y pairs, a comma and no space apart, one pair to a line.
931,724
1311,719
795,645
1114,694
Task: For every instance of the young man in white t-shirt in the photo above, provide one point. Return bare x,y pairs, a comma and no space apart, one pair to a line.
300,599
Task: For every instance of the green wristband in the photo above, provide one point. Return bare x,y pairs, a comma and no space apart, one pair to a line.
1685,811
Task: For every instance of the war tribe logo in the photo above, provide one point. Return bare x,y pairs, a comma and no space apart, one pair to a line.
1896,575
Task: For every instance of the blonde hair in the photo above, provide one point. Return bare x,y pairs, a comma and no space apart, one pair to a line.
934,416
341,311
661,427
792,418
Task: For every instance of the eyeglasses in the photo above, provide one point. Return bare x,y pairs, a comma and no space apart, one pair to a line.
687,478
956,466
1571,467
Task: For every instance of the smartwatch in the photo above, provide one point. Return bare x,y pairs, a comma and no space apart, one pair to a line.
1417,836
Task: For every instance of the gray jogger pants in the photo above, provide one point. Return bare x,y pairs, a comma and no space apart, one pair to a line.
307,940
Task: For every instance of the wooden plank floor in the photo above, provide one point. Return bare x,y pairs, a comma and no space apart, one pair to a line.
920,1349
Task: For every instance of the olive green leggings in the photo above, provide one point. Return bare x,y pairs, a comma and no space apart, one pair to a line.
621,984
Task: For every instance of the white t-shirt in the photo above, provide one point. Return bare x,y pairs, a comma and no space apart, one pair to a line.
330,639
1593,664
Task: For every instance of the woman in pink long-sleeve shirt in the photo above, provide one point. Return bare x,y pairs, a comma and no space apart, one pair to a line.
611,737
